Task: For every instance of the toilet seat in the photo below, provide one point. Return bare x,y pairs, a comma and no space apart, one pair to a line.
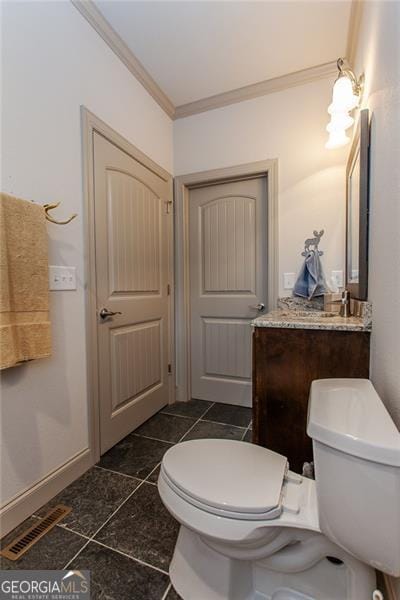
227,478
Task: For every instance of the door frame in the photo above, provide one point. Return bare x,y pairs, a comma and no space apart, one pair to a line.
90,124
182,186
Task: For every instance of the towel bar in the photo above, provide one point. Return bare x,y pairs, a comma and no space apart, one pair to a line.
48,207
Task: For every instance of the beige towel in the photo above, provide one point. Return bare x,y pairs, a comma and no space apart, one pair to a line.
24,283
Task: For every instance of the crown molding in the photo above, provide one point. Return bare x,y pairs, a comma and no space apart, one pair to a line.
91,13
354,28
255,90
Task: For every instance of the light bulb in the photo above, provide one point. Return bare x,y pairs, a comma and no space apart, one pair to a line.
334,109
343,97
337,139
339,121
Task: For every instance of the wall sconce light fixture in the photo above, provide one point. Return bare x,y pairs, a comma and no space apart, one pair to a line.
345,98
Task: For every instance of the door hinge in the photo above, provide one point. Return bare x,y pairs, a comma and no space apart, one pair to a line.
168,206
168,289
169,369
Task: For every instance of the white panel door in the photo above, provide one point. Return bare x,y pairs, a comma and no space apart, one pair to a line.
228,278
131,229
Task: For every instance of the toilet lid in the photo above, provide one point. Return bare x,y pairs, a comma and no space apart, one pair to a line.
226,474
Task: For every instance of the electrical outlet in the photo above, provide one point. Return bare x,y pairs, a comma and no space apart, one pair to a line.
337,276
62,278
288,280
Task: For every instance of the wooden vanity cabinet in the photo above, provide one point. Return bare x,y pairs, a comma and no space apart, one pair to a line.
285,362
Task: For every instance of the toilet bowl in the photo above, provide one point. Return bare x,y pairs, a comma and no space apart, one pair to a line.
251,529
240,507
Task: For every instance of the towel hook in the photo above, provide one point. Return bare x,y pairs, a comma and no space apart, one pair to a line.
313,242
48,207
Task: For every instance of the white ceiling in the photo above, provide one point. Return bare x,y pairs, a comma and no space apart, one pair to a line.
195,49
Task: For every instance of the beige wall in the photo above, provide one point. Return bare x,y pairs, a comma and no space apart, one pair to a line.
54,62
290,126
378,56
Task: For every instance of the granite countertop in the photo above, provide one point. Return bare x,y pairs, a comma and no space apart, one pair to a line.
297,314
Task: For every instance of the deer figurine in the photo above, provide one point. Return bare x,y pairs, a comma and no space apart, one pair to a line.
313,242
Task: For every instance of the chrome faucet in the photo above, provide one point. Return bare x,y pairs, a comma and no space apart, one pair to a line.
345,304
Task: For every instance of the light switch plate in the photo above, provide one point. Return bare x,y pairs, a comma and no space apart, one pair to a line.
288,280
62,278
337,276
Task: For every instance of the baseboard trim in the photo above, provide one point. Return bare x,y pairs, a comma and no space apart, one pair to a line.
21,507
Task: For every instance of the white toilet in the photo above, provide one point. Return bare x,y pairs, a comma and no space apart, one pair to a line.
251,529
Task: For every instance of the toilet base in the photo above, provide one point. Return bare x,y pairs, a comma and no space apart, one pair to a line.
200,573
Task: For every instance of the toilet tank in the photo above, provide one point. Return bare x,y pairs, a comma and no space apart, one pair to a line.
357,470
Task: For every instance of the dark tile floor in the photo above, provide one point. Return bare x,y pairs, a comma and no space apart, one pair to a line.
118,528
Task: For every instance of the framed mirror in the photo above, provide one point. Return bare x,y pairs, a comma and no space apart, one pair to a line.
357,209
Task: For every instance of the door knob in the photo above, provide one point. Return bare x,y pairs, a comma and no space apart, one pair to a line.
260,306
104,313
